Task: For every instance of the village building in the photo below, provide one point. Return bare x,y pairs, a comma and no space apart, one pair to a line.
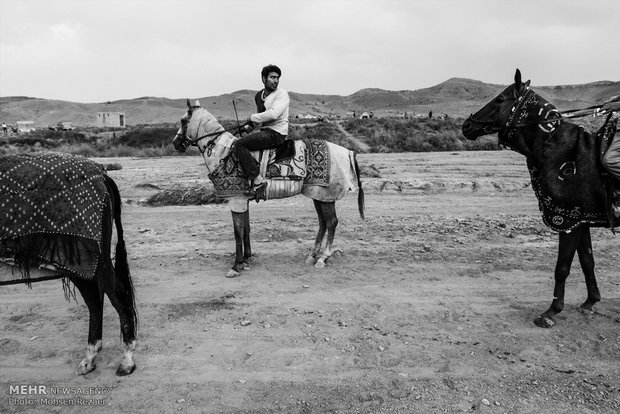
111,119
25,126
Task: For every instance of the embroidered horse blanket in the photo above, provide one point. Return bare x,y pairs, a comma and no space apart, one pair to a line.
331,170
52,209
569,180
306,161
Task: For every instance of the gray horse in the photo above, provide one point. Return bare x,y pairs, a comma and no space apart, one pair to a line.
337,168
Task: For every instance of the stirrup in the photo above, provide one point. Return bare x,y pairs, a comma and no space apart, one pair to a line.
256,189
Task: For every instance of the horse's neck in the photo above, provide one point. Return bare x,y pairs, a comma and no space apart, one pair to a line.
539,146
218,151
531,108
531,131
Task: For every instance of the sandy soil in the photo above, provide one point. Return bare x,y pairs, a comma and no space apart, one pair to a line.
427,307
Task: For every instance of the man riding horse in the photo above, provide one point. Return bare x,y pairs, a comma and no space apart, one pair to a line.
272,112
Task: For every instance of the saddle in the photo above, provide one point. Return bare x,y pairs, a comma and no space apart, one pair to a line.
284,165
288,160
287,169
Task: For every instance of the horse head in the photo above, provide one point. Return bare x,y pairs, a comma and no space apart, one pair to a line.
197,123
496,115
180,141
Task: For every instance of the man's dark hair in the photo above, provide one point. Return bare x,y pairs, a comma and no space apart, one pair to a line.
270,68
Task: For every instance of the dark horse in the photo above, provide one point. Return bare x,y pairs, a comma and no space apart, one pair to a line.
340,174
53,249
564,164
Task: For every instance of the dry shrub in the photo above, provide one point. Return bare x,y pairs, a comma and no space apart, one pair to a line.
369,171
113,166
188,196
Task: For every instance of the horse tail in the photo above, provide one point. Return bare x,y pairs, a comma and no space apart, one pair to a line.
360,194
125,289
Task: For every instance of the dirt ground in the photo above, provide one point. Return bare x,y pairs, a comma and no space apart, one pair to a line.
428,307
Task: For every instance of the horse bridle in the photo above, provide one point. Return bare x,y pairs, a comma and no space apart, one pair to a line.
518,112
489,127
187,142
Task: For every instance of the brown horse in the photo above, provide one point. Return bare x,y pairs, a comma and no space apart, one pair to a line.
564,164
338,170
68,206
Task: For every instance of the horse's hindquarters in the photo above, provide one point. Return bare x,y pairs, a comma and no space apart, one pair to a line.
342,176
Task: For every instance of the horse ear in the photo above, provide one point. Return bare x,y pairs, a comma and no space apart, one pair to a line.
518,78
188,103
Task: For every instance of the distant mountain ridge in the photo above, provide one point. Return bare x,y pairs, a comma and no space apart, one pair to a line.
457,97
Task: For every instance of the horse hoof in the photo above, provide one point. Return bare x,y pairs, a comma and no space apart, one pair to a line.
587,311
123,371
84,369
311,260
320,264
587,307
244,266
544,321
232,273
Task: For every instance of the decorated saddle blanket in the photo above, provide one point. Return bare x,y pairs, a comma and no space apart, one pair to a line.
319,162
570,182
52,211
286,161
305,161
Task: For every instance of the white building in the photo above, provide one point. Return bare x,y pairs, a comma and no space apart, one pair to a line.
25,126
111,119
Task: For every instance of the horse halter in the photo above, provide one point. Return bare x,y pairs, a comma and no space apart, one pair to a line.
547,120
489,127
519,111
208,148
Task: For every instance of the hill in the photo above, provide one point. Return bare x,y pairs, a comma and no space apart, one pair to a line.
457,97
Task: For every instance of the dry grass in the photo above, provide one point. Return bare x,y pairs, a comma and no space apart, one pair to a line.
185,196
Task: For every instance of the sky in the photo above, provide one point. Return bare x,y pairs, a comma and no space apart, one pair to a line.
91,51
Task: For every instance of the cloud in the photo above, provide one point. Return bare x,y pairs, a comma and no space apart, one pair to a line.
98,51
64,32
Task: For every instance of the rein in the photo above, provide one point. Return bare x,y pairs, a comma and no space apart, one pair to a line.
210,144
215,134
489,126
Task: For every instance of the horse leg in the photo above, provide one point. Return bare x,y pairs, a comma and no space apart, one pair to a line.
331,221
567,247
318,241
239,229
247,248
586,259
93,297
121,297
117,293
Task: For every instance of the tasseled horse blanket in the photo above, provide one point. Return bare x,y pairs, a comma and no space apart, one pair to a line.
51,209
